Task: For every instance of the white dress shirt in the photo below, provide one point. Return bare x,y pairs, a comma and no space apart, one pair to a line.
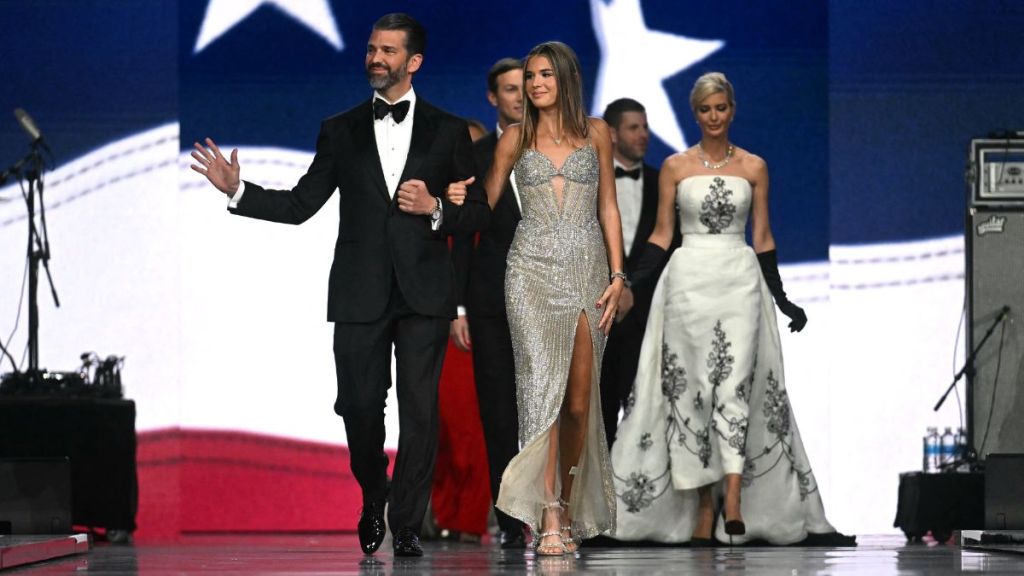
393,139
630,194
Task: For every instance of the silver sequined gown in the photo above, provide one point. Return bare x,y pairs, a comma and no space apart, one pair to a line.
710,396
557,268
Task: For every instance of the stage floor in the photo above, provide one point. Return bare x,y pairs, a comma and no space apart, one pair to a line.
338,554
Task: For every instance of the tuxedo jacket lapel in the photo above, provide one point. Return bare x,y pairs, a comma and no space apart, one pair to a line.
370,157
648,214
648,205
424,128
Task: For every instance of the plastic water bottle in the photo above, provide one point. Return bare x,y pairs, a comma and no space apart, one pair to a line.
947,449
962,450
931,450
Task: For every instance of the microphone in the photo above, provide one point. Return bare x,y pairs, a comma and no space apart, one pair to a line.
30,128
28,125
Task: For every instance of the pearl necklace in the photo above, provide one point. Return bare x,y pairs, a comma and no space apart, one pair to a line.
714,165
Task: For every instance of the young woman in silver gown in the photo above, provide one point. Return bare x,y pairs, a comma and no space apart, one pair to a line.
562,287
709,410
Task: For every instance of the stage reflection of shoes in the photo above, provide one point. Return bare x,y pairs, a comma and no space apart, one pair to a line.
512,539
702,542
371,527
407,543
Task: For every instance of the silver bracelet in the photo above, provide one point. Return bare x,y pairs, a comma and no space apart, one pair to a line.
614,275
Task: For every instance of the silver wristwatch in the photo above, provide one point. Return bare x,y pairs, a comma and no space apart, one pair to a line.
436,214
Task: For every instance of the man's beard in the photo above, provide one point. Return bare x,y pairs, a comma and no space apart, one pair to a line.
392,77
634,154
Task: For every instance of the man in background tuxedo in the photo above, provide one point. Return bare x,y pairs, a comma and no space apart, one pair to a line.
636,187
482,325
391,158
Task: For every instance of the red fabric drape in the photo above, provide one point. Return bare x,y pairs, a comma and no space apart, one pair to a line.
461,495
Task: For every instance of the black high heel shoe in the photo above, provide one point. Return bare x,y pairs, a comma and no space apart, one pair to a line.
735,527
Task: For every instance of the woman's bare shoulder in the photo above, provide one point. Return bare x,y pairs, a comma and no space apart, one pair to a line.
680,164
753,166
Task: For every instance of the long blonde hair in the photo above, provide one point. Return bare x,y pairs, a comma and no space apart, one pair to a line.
570,94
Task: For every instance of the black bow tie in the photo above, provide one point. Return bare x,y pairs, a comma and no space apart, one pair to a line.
398,111
634,173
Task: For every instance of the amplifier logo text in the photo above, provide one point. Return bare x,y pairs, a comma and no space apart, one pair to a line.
993,225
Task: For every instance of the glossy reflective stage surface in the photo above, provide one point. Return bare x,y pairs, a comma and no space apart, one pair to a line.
338,554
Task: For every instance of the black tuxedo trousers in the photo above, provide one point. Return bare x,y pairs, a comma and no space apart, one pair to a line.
362,355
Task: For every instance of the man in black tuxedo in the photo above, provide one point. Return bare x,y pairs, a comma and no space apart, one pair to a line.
636,187
480,281
391,158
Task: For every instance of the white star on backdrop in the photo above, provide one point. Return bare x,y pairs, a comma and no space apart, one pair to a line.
635,60
222,15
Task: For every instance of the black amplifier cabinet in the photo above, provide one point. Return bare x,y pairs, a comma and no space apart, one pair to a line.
995,301
1004,492
35,496
97,437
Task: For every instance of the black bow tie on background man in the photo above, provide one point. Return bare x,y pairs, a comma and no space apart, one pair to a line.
398,111
634,173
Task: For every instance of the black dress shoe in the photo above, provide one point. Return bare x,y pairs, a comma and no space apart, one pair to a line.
371,527
512,539
407,543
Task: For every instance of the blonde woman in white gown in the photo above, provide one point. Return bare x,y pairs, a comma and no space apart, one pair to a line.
709,413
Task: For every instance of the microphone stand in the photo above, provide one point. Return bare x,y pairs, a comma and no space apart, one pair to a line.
969,361
968,368
38,251
30,169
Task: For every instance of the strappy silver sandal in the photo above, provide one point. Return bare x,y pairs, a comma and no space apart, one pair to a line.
565,531
550,549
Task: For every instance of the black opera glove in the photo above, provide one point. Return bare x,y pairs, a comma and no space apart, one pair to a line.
648,266
770,269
